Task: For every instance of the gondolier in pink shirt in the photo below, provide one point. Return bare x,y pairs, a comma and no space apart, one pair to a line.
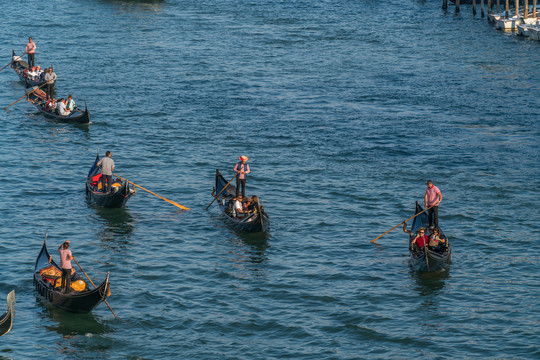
433,198
65,264
242,168
30,50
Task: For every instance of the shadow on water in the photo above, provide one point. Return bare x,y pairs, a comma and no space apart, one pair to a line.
69,324
430,283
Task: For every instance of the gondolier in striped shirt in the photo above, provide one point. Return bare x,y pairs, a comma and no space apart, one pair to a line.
30,50
107,167
242,168
433,198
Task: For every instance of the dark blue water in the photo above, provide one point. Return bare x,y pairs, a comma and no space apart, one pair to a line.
345,109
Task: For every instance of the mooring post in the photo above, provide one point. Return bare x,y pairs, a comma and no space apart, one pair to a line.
506,9
457,6
517,8
489,4
534,8
482,7
445,4
525,9
474,7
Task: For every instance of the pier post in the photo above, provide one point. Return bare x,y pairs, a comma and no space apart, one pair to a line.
457,6
534,8
506,9
489,6
474,7
482,7
445,4
525,9
517,8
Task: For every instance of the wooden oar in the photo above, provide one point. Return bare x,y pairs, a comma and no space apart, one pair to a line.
216,196
412,217
161,197
25,96
94,286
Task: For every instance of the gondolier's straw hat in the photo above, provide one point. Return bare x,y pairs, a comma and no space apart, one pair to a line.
244,158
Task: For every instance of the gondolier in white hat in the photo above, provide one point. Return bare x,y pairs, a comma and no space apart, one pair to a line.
242,168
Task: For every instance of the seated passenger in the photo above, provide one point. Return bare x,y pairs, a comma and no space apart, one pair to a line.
254,204
71,103
38,72
420,239
246,207
31,74
435,241
237,207
51,105
61,107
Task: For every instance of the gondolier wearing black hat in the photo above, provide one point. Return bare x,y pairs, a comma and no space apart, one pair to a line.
65,264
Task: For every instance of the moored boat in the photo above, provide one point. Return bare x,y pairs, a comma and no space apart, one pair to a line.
424,258
534,32
21,67
117,197
38,98
256,221
6,320
510,23
47,278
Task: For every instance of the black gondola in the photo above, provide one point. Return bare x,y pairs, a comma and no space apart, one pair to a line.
117,197
257,221
20,66
426,259
6,320
80,300
38,98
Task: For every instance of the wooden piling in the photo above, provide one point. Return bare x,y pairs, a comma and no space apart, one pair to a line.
457,6
445,4
482,8
517,8
474,7
498,6
506,9
525,9
489,6
534,9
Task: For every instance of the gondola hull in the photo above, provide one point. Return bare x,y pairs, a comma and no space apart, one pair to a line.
38,99
19,66
114,199
424,259
6,320
254,223
78,302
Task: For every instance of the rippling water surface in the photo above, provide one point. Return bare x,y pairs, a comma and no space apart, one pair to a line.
345,110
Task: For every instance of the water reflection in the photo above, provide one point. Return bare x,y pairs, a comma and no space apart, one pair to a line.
430,283
70,324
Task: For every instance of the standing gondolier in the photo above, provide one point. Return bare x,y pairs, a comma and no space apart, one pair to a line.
242,168
30,50
65,264
50,78
433,198
107,167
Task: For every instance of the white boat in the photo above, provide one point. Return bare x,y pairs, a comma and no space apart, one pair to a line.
509,24
493,17
534,32
524,28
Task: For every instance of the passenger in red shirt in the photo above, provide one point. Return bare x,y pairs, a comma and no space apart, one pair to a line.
421,239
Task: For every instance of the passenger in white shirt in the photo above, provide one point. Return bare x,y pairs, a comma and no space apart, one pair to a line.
61,107
237,206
